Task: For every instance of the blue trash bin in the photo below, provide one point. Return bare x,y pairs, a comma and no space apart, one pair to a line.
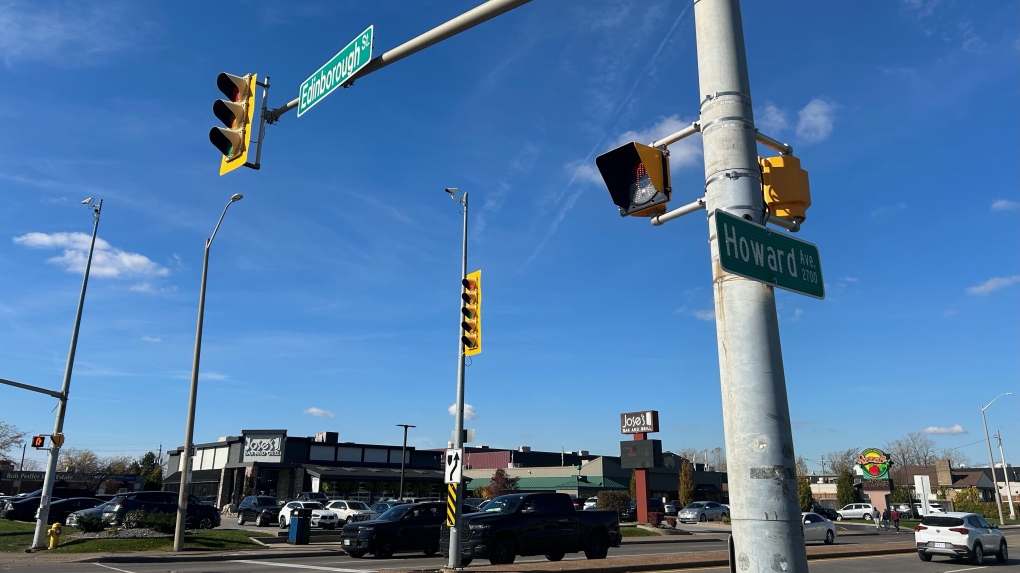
300,526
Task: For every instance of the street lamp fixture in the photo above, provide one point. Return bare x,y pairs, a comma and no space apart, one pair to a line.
400,493
991,462
182,496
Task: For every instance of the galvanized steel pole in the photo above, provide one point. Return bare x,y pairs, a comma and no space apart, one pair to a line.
1005,476
403,454
991,461
766,517
458,433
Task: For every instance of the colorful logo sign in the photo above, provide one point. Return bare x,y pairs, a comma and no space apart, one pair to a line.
874,463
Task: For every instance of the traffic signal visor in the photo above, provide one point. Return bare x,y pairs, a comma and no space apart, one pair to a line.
471,313
38,441
786,188
637,177
236,113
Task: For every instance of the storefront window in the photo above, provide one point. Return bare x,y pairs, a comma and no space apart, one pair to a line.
265,483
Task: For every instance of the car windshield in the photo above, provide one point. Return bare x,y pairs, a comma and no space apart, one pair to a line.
504,504
312,505
358,505
941,521
696,505
267,501
394,513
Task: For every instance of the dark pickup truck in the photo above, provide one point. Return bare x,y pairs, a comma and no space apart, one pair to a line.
533,524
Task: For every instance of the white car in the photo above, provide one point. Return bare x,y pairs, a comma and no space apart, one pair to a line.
817,528
590,503
703,511
321,517
855,511
351,511
959,535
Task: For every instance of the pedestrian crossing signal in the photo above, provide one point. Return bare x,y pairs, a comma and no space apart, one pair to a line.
38,441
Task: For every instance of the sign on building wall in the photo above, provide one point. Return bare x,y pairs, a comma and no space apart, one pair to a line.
263,446
639,422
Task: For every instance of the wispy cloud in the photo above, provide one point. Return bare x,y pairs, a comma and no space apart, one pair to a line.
1005,205
469,411
954,429
703,314
993,284
883,212
319,412
816,119
107,261
771,118
151,339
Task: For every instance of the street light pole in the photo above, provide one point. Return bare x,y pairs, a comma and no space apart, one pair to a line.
458,432
58,425
182,496
1005,476
403,455
991,462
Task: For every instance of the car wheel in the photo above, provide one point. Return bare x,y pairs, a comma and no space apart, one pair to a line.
598,546
503,552
924,556
205,523
555,556
430,551
240,519
1003,555
383,548
867,516
356,554
702,519
283,523
839,517
977,555
347,520
829,537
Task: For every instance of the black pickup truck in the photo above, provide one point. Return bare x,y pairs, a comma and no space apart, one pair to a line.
534,524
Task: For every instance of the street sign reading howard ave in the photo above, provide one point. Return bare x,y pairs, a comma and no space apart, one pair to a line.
336,71
761,254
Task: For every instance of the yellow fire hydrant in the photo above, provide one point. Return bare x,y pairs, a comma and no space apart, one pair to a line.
54,533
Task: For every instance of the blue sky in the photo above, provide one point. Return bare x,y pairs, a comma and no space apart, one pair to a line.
333,290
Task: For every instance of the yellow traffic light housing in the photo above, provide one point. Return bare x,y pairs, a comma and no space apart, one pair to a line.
786,188
58,439
236,113
637,177
38,442
471,313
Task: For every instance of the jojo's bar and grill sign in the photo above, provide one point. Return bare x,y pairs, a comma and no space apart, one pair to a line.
264,446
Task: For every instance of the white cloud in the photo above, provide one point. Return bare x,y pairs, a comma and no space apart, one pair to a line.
993,284
585,171
771,118
151,339
1005,205
469,411
955,429
107,261
683,153
797,313
703,314
319,412
815,122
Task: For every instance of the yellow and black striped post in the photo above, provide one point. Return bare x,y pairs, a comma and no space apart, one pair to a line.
451,504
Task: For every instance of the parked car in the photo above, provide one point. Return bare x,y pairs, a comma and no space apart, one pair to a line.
823,511
591,503
199,515
74,517
321,517
261,509
817,528
473,502
855,511
630,514
348,511
313,496
61,509
380,507
534,524
402,528
959,535
702,511
578,503
933,507
21,508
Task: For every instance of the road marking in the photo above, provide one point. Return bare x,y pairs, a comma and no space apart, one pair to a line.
295,566
114,568
967,569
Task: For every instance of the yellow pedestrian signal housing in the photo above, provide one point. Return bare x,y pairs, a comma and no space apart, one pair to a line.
471,313
637,177
38,442
58,439
786,188
236,113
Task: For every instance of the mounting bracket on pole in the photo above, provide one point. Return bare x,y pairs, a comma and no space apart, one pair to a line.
679,212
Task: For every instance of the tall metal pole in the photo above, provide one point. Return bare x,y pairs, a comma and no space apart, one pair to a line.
403,455
1005,476
58,425
766,518
991,461
458,433
182,495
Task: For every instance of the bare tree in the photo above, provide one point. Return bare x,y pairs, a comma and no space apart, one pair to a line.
956,457
10,437
914,449
840,461
802,469
94,470
718,459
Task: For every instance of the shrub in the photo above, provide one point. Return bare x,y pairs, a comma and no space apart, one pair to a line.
91,523
671,522
134,518
160,521
655,517
615,500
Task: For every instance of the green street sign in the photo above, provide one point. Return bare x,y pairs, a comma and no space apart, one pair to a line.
336,71
758,253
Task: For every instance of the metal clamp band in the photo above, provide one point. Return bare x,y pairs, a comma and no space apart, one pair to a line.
733,118
717,95
733,174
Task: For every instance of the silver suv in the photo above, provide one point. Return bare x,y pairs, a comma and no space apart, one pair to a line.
959,535
855,511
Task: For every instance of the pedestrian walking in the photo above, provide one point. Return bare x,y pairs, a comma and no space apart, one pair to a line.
895,515
878,516
885,518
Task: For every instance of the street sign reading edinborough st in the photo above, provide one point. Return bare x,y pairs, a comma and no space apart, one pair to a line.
336,72
758,253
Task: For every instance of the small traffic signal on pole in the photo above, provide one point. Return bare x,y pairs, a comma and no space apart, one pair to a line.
471,311
236,113
637,177
786,188
38,441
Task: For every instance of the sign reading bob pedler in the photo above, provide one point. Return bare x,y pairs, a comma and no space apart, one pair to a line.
263,446
639,422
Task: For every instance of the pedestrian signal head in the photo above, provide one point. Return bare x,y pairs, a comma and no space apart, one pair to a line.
637,177
38,441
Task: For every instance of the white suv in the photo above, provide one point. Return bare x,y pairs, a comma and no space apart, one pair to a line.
855,511
351,511
956,534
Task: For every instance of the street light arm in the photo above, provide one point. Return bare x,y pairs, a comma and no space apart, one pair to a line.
217,227
983,408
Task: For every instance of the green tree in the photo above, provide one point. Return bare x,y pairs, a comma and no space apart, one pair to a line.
845,490
968,499
686,491
633,484
10,436
249,484
900,494
502,484
804,493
